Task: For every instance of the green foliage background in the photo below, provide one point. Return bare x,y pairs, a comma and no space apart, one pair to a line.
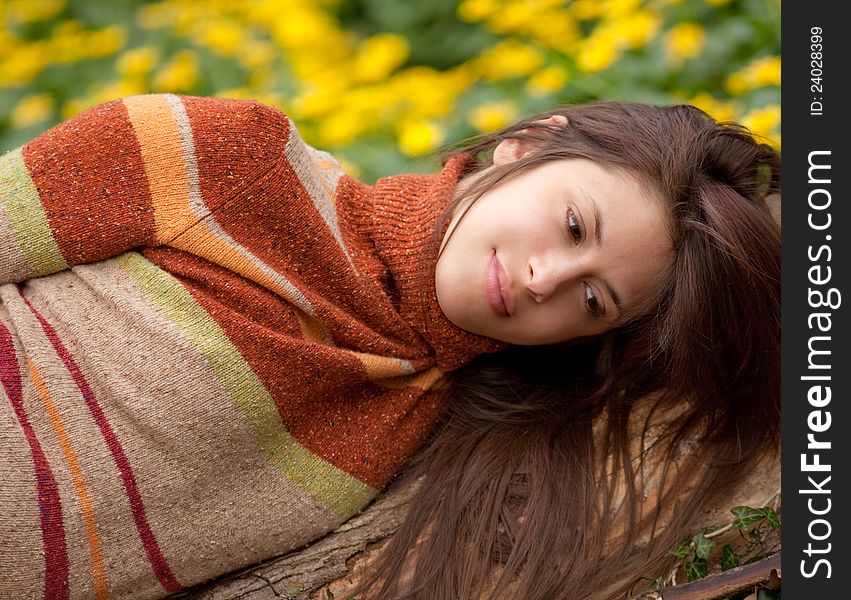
382,84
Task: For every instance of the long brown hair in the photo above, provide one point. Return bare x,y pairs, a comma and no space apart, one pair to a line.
542,472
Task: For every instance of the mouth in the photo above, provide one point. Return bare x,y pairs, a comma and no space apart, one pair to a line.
496,289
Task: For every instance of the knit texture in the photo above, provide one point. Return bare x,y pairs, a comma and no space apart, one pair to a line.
215,346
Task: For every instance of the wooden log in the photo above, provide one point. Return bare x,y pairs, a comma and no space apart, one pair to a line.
724,584
328,568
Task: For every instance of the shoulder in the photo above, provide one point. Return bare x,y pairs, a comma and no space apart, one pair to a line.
218,129
226,143
239,128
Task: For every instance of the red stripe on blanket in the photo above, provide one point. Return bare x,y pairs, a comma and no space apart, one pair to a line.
158,562
50,505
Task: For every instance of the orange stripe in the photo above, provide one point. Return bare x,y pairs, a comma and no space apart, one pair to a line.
162,154
206,244
98,570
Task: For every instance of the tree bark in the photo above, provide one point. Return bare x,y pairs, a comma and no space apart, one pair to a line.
328,568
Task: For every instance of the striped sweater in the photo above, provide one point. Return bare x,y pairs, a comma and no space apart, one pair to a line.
215,346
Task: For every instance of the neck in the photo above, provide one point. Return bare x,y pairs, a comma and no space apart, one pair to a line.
406,211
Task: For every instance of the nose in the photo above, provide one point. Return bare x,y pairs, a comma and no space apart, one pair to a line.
547,273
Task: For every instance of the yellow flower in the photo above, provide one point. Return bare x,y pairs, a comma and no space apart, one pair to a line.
222,37
720,111
256,54
684,40
303,26
418,137
29,11
106,41
596,53
314,103
620,8
379,55
763,121
23,64
179,74
516,16
493,116
547,80
136,62
155,16
31,110
585,10
340,128
636,29
765,71
472,11
427,92
556,29
507,59
736,84
760,72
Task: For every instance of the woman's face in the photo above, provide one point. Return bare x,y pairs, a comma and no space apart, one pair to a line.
552,254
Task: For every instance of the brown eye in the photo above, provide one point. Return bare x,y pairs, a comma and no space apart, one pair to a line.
574,229
592,303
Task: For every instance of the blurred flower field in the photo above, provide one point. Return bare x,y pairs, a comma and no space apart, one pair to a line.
382,84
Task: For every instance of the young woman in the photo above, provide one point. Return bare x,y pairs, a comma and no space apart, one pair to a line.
215,346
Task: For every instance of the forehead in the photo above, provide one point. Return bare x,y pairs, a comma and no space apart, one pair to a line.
633,222
619,192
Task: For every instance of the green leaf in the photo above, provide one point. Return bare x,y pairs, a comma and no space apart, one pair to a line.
683,549
755,535
729,558
696,569
702,545
771,517
746,516
711,528
656,584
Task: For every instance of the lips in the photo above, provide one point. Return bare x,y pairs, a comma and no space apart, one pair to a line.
496,289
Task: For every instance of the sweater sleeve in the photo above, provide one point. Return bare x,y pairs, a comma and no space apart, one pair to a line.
133,172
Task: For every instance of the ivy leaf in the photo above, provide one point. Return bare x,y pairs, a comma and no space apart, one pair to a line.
746,516
771,517
656,584
755,535
702,545
729,558
696,569
711,528
683,549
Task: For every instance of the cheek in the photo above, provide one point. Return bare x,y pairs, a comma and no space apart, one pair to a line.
556,324
567,322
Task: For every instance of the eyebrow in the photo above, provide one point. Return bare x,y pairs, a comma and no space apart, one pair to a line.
598,236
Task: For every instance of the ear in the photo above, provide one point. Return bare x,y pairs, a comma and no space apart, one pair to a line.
511,149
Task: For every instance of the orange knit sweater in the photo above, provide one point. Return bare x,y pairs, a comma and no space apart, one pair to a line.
214,345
